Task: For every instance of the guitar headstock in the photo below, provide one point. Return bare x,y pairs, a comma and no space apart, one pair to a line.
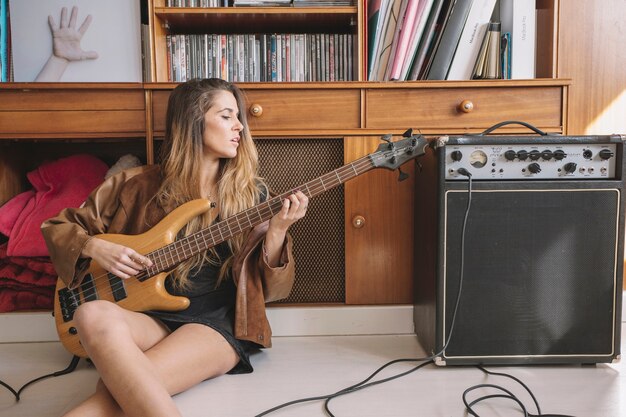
391,155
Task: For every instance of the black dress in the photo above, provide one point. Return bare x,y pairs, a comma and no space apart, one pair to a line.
211,306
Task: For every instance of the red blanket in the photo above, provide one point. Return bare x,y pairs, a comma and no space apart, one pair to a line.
25,283
57,185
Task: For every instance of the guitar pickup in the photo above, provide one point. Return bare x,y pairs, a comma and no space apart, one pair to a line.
118,290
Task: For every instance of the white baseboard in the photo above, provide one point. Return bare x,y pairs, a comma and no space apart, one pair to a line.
285,321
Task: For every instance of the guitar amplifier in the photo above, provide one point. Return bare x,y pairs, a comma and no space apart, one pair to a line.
542,258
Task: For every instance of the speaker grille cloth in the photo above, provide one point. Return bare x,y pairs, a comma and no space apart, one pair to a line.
319,236
539,272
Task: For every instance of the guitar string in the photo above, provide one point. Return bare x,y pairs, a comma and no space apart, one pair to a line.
85,289
89,290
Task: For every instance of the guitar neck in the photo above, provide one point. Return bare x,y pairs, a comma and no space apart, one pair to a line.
167,257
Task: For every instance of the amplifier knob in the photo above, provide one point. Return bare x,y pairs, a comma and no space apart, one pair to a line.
570,167
559,154
534,155
510,155
606,154
547,155
456,155
534,168
522,155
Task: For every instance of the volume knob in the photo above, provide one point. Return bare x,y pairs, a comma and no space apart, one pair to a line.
456,155
510,155
535,168
606,154
522,155
570,167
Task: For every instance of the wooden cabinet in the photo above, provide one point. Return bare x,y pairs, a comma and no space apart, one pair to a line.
45,120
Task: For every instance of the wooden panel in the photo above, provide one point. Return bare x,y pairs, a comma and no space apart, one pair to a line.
68,99
592,54
58,112
159,108
46,124
379,255
439,108
11,178
306,109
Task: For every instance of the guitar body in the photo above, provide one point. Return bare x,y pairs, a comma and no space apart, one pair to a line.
132,294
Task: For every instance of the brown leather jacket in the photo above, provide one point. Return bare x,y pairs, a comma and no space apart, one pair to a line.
124,204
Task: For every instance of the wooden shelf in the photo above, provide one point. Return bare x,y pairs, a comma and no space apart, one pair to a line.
258,19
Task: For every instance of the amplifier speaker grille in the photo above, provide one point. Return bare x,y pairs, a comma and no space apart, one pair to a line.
319,236
540,272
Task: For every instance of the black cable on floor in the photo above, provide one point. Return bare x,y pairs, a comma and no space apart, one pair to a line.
508,395
426,360
70,368
10,388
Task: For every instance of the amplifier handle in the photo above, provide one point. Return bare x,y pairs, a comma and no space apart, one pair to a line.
508,122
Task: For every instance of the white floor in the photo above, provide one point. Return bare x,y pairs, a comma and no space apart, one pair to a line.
298,367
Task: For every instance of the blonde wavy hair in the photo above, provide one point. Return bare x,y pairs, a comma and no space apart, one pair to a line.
239,185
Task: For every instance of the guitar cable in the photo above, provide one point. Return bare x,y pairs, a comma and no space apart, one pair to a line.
70,368
425,360
508,395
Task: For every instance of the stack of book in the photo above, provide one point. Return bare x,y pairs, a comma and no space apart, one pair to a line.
450,39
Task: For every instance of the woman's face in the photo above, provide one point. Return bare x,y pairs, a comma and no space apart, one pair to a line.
222,127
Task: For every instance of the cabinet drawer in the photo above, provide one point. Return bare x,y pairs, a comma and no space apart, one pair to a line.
443,109
272,110
52,113
303,109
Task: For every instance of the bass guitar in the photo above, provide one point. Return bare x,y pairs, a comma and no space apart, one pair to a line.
146,290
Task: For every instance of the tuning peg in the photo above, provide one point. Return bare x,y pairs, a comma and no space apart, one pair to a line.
408,133
386,138
402,175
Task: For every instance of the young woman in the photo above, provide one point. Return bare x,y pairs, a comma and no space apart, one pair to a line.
143,358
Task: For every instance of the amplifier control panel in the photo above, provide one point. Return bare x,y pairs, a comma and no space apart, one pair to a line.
530,161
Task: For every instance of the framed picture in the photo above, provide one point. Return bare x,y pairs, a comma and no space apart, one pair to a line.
76,40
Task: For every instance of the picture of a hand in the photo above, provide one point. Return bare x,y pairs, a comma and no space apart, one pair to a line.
65,45
66,39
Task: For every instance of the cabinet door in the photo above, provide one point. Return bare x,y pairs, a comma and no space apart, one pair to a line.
379,231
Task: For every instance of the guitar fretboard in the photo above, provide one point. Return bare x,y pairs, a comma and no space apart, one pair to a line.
167,257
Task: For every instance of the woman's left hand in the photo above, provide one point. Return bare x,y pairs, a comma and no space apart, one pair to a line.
294,208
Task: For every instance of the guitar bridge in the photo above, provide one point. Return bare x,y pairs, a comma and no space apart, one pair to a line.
68,303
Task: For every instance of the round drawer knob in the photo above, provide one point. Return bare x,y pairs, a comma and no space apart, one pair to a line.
358,221
466,106
256,110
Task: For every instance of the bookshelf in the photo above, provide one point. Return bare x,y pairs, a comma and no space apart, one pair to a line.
166,21
344,119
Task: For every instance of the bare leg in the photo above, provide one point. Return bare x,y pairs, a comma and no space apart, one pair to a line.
141,383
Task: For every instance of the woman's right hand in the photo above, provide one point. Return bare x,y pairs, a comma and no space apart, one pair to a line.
120,260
